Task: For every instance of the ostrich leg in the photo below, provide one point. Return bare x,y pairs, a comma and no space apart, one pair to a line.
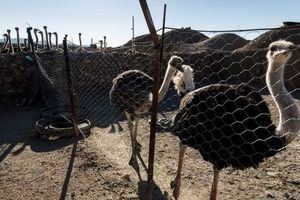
134,146
214,187
138,145
175,185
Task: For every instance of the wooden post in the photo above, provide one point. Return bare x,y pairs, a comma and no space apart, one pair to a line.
154,108
133,39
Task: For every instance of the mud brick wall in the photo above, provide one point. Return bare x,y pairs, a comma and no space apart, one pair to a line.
15,71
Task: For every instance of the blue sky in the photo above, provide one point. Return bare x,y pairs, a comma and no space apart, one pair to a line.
96,18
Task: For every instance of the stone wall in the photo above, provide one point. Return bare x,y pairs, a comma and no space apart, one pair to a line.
15,71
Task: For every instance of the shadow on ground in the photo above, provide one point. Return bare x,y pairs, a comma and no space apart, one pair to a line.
157,194
15,131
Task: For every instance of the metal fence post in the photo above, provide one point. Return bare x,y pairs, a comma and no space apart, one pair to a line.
70,87
154,107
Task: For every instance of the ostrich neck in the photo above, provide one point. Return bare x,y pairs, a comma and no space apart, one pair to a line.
36,37
42,38
289,116
5,44
166,82
56,40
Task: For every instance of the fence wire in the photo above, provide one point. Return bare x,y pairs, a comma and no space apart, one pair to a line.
232,124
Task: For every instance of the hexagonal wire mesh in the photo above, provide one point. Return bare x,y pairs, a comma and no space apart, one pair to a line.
231,121
228,118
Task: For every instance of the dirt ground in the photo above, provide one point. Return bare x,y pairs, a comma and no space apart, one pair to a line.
97,167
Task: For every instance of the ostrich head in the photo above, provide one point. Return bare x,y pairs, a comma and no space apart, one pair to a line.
280,52
176,62
184,81
184,78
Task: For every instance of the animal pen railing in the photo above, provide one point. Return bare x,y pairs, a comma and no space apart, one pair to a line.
216,58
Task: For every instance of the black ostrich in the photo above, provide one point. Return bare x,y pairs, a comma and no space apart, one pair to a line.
232,126
132,93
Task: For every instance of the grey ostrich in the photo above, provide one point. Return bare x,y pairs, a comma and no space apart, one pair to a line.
50,40
47,39
4,48
35,31
10,45
25,47
18,49
80,41
232,126
80,48
132,93
101,45
104,43
42,39
56,39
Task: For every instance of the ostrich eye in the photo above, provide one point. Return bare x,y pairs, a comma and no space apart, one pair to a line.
273,48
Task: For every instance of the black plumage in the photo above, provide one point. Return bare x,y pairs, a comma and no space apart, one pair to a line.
228,125
131,93
131,90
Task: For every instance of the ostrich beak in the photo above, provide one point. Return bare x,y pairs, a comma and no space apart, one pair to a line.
293,47
284,51
179,67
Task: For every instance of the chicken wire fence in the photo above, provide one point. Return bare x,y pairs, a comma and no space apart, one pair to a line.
215,57
204,119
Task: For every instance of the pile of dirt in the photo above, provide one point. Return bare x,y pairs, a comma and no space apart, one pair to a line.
224,41
263,41
142,39
185,35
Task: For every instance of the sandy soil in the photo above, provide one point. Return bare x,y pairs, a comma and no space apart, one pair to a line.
97,167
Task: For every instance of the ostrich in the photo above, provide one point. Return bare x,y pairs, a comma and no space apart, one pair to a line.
35,31
101,45
47,40
50,40
42,38
231,125
104,43
131,93
4,48
18,49
10,45
26,46
80,48
56,39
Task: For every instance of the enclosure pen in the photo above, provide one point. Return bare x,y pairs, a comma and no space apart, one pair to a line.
176,113
224,58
